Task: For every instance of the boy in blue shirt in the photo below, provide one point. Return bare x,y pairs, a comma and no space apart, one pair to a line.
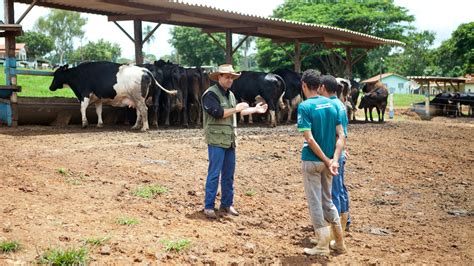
324,139
340,196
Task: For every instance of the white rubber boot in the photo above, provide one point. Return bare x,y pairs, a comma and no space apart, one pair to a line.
323,236
338,244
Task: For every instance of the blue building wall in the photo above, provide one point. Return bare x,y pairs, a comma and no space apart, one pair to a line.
397,84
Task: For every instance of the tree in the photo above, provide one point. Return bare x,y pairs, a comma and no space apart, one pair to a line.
62,26
415,57
380,18
37,44
101,50
196,49
150,40
455,56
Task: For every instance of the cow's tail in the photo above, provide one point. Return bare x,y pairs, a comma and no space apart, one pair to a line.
280,99
171,92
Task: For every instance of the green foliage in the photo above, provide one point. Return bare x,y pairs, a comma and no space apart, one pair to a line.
97,241
101,50
127,221
150,191
62,26
380,18
177,246
59,256
9,246
37,44
197,49
455,56
415,57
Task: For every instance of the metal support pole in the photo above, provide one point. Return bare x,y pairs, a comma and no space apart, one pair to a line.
137,29
228,46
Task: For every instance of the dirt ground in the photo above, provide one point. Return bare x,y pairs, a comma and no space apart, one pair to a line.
410,183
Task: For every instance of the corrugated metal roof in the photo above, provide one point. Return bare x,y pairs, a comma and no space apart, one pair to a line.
214,19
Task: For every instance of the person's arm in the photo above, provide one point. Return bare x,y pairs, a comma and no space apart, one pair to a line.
259,108
314,146
340,143
213,106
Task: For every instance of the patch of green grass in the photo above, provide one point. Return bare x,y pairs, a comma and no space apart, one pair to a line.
127,221
177,246
405,100
63,171
250,193
36,86
9,246
59,256
148,192
97,241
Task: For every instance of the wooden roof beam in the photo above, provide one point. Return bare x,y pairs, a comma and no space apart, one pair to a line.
239,30
145,17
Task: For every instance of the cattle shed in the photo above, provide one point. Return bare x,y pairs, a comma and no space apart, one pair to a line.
432,85
209,19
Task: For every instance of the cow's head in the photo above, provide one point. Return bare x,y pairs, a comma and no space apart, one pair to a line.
59,78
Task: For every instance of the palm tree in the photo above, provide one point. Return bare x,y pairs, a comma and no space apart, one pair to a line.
146,31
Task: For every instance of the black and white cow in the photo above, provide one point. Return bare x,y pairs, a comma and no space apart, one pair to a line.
292,96
269,86
109,83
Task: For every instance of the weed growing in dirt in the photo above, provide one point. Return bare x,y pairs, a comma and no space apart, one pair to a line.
97,241
127,221
63,171
9,246
250,193
177,246
65,257
148,192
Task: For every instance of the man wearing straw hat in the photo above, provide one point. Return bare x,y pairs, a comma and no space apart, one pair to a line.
219,120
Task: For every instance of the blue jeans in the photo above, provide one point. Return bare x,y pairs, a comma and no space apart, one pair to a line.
340,196
221,163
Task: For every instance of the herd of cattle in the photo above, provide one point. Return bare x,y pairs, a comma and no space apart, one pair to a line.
180,103
450,104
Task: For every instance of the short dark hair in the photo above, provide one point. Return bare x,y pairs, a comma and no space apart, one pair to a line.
330,83
312,79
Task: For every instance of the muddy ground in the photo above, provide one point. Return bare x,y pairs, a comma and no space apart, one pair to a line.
410,183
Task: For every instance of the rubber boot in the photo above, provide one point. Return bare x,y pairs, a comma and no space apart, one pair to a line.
323,236
338,244
344,218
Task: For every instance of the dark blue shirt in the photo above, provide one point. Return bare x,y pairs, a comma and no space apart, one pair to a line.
211,103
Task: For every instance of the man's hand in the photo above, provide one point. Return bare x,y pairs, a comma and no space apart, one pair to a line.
333,167
261,108
241,106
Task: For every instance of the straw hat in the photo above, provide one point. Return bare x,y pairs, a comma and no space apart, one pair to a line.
224,69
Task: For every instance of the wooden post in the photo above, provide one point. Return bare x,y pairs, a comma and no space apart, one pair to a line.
349,62
10,59
228,46
137,29
297,57
427,101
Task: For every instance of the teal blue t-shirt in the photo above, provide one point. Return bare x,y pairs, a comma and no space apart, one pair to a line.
320,116
341,109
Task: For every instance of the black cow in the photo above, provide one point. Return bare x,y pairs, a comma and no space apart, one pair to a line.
464,99
172,78
378,99
195,88
353,97
445,104
109,83
269,86
292,96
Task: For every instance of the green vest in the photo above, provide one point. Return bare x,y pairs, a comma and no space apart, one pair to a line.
220,132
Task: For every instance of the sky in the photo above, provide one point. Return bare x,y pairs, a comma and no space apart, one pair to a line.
432,15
